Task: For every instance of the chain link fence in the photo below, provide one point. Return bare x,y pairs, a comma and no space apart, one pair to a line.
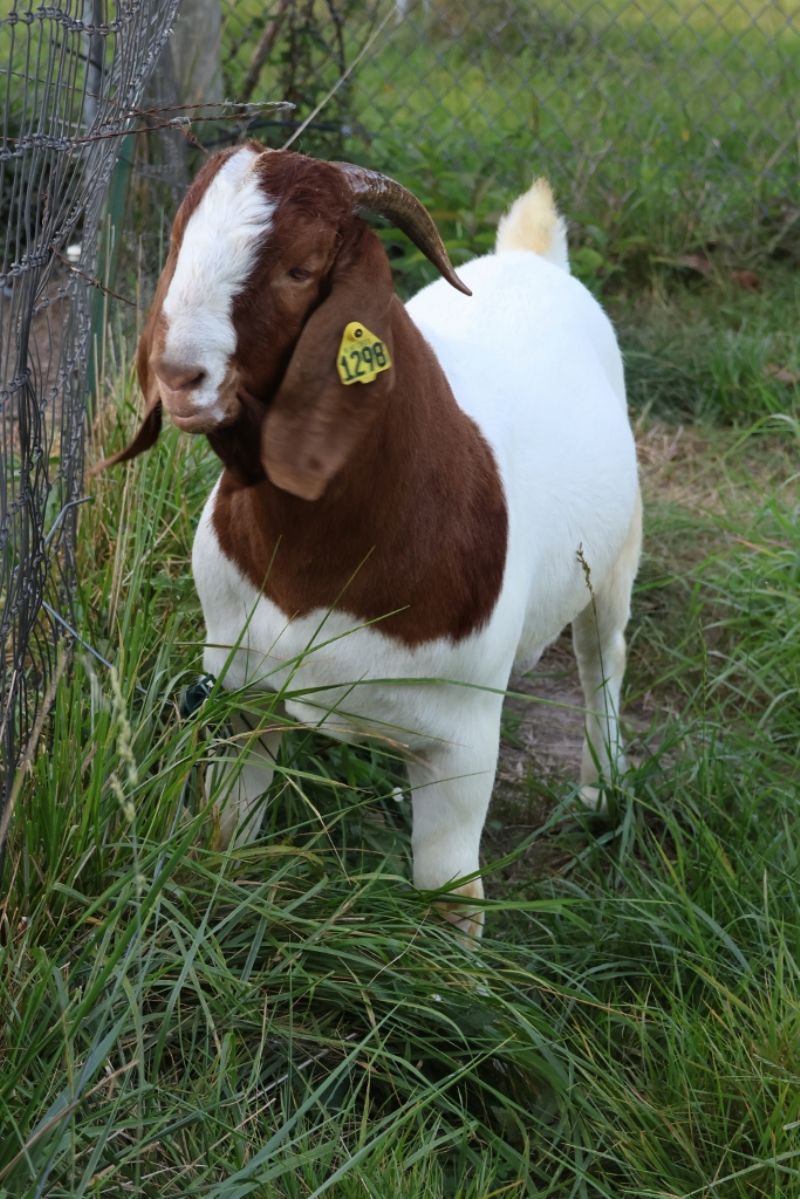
663,124
681,116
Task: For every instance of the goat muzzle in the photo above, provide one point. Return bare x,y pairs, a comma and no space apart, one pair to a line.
193,422
191,419
189,402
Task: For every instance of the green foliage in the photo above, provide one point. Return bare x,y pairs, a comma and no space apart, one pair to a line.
689,238
709,349
293,1019
646,161
661,135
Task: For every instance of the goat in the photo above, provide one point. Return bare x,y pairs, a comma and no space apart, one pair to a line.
448,483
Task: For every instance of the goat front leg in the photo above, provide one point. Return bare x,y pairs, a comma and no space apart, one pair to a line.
239,778
451,789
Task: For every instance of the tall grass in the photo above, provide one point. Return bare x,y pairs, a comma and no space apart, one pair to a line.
293,1019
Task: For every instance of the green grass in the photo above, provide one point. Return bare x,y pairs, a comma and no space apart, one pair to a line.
712,354
293,1019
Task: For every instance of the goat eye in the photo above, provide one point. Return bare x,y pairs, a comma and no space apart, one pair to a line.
299,273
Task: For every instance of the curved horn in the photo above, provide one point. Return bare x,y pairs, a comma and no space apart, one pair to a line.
378,193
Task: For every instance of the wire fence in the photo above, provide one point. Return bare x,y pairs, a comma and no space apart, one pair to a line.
675,115
680,118
548,75
72,76
681,115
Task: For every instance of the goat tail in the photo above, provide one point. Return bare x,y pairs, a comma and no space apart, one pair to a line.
533,223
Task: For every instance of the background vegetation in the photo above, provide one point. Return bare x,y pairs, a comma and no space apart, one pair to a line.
293,1019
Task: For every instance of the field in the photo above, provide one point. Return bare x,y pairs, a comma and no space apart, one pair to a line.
292,1019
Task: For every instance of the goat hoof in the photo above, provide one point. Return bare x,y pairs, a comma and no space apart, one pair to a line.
593,799
469,924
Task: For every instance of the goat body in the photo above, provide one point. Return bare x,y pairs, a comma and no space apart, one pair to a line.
387,552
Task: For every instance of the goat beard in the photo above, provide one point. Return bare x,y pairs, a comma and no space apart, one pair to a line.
238,444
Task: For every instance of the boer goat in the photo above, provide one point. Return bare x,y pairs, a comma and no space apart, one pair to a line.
427,493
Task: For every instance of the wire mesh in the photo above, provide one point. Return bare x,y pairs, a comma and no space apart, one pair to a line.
72,74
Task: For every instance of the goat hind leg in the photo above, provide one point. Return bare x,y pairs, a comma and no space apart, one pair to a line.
598,635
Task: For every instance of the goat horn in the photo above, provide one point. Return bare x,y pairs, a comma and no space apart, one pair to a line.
380,194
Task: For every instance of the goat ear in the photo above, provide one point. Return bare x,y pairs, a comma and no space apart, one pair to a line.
316,421
149,429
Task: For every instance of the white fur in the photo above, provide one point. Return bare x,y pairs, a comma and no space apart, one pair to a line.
217,254
532,358
532,223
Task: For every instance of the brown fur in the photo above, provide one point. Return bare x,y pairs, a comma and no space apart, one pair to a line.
368,498
315,423
416,513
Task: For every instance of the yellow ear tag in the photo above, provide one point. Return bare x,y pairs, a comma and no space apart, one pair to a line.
362,356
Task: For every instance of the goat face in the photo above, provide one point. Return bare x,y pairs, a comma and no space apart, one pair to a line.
268,263
251,246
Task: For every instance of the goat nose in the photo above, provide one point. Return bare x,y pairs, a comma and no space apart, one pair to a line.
178,377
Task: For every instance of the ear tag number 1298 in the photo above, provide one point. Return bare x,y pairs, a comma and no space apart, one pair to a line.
362,356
